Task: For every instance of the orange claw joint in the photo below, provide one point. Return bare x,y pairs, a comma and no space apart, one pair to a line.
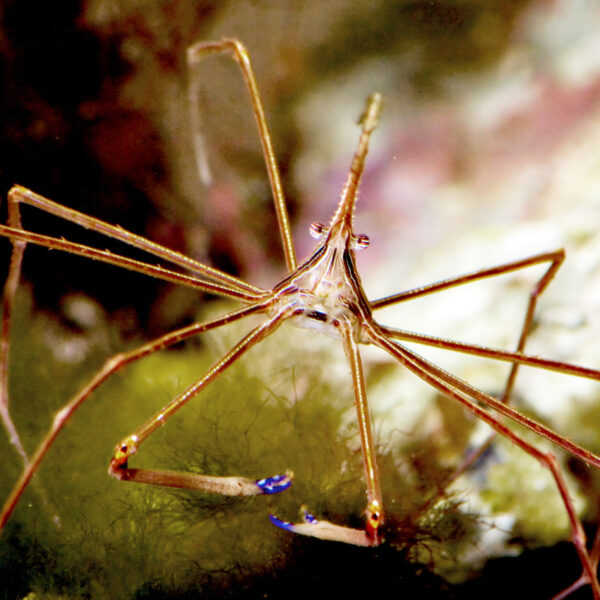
122,453
374,517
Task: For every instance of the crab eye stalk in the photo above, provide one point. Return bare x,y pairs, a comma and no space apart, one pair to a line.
317,230
360,242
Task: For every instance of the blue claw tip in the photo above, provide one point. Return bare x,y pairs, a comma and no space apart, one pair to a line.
274,485
308,518
282,524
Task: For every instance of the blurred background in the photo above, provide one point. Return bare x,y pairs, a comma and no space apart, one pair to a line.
488,151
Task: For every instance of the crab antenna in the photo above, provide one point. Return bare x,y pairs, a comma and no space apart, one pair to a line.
369,120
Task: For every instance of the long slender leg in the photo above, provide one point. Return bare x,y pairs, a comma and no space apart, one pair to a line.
506,410
496,354
594,557
231,287
110,367
231,486
538,289
493,353
374,509
128,263
240,55
8,301
535,293
464,393
556,258
9,294
20,195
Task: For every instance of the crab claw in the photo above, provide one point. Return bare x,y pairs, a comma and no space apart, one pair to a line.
324,530
276,484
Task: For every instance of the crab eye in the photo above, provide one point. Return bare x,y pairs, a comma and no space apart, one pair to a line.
360,242
317,230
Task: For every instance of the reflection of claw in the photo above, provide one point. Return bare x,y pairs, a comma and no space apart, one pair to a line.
276,484
325,530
